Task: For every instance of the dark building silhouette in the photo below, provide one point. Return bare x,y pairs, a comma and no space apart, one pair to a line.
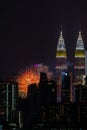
65,90
80,93
37,97
52,91
30,113
50,112
47,89
83,113
43,88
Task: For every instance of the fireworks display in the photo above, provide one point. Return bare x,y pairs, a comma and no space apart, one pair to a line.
31,75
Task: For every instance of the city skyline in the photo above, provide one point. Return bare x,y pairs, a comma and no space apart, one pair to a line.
30,30
40,86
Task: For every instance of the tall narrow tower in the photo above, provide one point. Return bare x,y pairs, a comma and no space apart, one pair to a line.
61,63
61,56
79,64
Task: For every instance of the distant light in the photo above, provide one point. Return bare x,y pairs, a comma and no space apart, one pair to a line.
64,73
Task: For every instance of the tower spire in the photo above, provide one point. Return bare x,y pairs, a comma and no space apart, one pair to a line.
61,43
79,52
61,27
79,44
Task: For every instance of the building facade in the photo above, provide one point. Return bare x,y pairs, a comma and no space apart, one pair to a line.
9,103
79,63
61,63
65,90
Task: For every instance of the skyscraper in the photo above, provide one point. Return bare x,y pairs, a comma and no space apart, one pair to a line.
31,110
81,93
43,88
79,63
65,90
52,93
61,63
61,55
9,102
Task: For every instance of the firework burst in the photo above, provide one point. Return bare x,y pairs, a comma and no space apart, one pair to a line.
30,76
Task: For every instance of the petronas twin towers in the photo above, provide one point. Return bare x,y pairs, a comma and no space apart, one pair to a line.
76,71
79,58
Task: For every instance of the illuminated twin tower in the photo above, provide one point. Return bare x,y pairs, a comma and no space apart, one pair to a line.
62,63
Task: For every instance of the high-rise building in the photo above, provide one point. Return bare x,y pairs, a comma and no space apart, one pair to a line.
83,113
67,94
81,93
33,99
50,113
52,91
61,63
43,88
65,90
61,55
79,63
9,103
31,110
47,89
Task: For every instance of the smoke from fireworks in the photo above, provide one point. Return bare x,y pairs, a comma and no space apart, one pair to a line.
31,75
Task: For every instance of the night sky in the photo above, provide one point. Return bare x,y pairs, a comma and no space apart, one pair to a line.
29,32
